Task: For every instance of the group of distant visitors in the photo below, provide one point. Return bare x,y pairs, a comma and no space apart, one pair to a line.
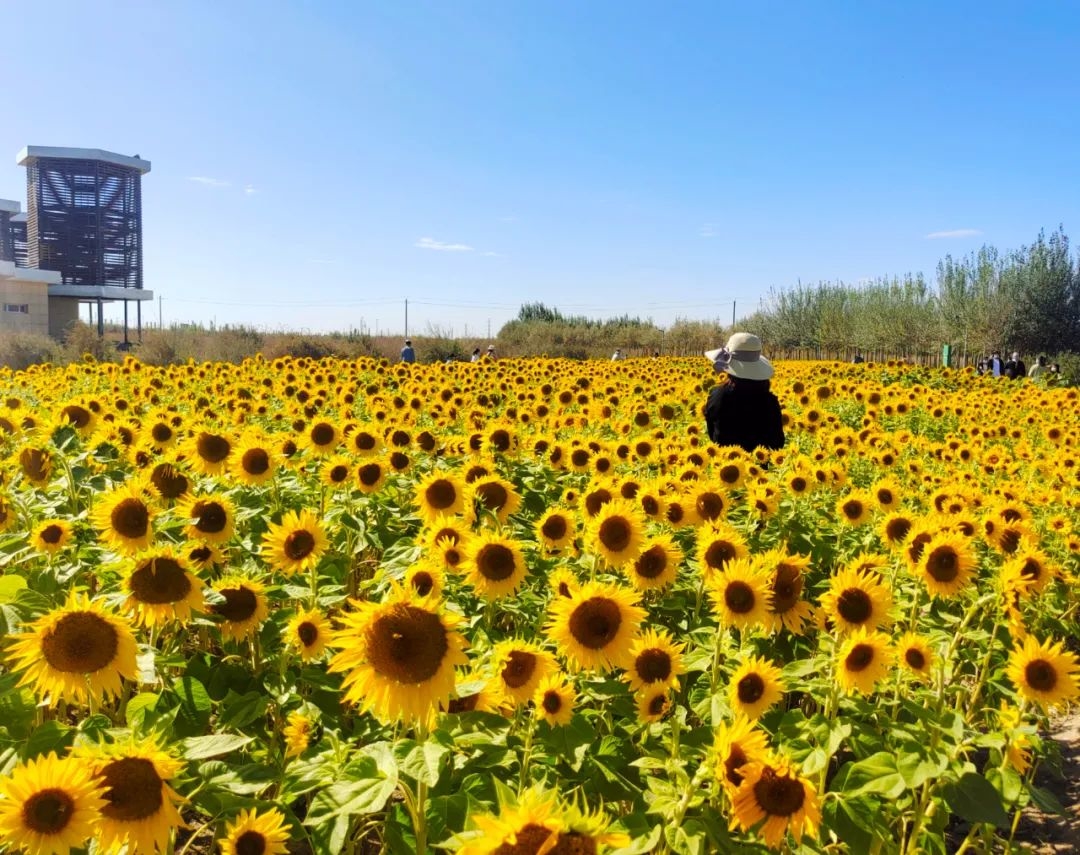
408,354
1014,368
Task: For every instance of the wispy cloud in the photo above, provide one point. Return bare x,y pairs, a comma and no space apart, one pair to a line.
208,182
708,230
249,189
954,233
510,219
441,246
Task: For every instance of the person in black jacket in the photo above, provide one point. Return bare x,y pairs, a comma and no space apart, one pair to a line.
742,411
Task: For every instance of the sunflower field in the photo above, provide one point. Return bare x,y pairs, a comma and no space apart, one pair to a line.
525,607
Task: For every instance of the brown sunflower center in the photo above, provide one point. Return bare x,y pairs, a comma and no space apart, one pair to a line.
615,534
853,509
734,761
495,562
212,448
298,544
407,645
130,518
1040,675
441,494
730,474
48,811
519,668
251,843
308,633
552,702
159,581
493,495
779,795
80,643
530,840
1009,541
653,665
918,543
322,434
210,517
915,658
710,506
787,588
739,597
750,688
719,553
651,563
170,483
854,605
364,441
897,529
255,461
240,604
596,500
133,789
657,704
595,623
1032,569
554,527
35,463
161,432
463,705
579,457
799,484
369,474
943,565
650,505
75,415
52,534
886,497
860,658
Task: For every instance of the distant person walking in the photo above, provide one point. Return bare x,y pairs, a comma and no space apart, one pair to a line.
475,355
407,353
742,411
859,359
1015,368
617,355
995,366
1039,368
491,352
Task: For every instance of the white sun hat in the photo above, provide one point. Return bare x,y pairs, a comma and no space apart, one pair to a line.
741,357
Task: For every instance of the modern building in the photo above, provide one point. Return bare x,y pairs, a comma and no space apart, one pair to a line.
25,302
83,222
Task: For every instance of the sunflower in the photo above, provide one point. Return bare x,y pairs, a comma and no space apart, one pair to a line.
49,806
494,565
209,452
655,661
322,438
711,501
755,686
651,502
774,798
439,494
297,732
75,652
253,832
1033,565
595,626
296,544
740,595
556,529
886,493
243,609
335,472
496,496
894,528
653,703
787,608
717,544
168,481
365,441
124,519
1017,738
530,825
140,807
255,461
915,655
657,565
203,556
857,599
399,657
1044,672
854,509
554,699
211,518
735,745
7,513
946,564
863,660
160,588
371,475
475,693
563,582
308,633
616,532
50,536
425,579
519,668
450,553
36,465
455,530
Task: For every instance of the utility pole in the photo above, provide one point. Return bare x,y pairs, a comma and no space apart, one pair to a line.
406,317
489,329
732,313
159,315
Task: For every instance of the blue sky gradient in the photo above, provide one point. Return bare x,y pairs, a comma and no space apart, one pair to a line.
315,164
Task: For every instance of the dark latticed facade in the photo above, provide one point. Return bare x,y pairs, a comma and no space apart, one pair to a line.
84,219
20,248
7,239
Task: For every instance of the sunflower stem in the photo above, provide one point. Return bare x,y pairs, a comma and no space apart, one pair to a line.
984,670
526,754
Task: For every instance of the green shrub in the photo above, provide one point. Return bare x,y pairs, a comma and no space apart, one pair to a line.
19,351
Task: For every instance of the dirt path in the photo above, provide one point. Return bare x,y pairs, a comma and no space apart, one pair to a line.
1050,834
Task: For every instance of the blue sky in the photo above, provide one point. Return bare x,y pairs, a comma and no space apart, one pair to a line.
316,164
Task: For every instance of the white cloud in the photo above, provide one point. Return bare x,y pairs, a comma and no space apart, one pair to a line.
431,243
954,233
208,182
708,230
250,190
